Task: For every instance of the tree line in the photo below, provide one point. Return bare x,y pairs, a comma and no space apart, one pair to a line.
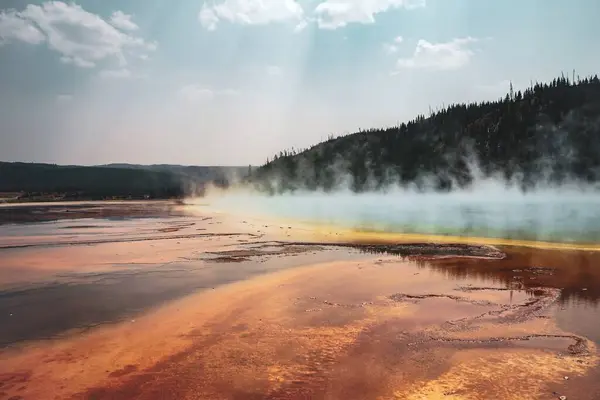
547,134
35,180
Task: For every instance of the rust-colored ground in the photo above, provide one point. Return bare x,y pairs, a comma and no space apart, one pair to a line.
374,326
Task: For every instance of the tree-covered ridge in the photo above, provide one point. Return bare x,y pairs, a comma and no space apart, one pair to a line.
548,133
86,182
49,181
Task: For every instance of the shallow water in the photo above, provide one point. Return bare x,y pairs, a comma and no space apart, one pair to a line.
81,300
553,216
353,317
75,274
56,276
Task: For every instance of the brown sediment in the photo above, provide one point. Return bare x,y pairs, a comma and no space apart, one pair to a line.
416,297
260,249
128,369
227,259
575,273
422,250
81,226
175,227
124,240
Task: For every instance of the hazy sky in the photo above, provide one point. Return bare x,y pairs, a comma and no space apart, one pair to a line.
234,81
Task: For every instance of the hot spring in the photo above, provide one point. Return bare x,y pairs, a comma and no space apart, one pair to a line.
552,215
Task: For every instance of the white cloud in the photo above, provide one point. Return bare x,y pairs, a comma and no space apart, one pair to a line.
77,61
274,70
123,21
13,27
250,12
329,14
81,38
333,14
454,54
122,73
392,48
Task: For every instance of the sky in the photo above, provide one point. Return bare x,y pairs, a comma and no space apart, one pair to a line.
232,82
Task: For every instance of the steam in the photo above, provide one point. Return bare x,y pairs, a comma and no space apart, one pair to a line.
552,197
490,208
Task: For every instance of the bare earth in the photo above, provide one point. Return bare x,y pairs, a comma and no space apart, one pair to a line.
191,304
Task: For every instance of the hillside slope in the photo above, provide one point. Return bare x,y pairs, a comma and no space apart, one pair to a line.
194,173
549,133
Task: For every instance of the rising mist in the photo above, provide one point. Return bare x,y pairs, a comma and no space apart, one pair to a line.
523,167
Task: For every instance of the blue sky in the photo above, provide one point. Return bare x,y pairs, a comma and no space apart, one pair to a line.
231,82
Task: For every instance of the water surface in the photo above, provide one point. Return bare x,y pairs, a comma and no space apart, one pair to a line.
549,216
180,296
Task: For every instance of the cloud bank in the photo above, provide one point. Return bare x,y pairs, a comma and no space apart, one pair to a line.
79,37
328,14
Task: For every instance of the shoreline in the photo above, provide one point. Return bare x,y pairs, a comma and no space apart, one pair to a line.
338,234
37,212
329,233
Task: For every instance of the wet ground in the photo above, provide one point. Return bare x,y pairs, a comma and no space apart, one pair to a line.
52,211
190,304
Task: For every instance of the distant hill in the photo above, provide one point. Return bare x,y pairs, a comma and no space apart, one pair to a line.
118,180
191,172
550,133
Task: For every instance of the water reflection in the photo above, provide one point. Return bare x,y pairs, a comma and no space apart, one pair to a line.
575,273
76,300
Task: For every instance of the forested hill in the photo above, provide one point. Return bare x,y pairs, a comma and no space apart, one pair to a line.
29,181
549,133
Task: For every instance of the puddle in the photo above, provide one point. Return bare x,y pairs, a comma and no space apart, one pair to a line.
582,319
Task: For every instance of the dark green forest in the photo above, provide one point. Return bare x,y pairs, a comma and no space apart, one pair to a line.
40,181
546,134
